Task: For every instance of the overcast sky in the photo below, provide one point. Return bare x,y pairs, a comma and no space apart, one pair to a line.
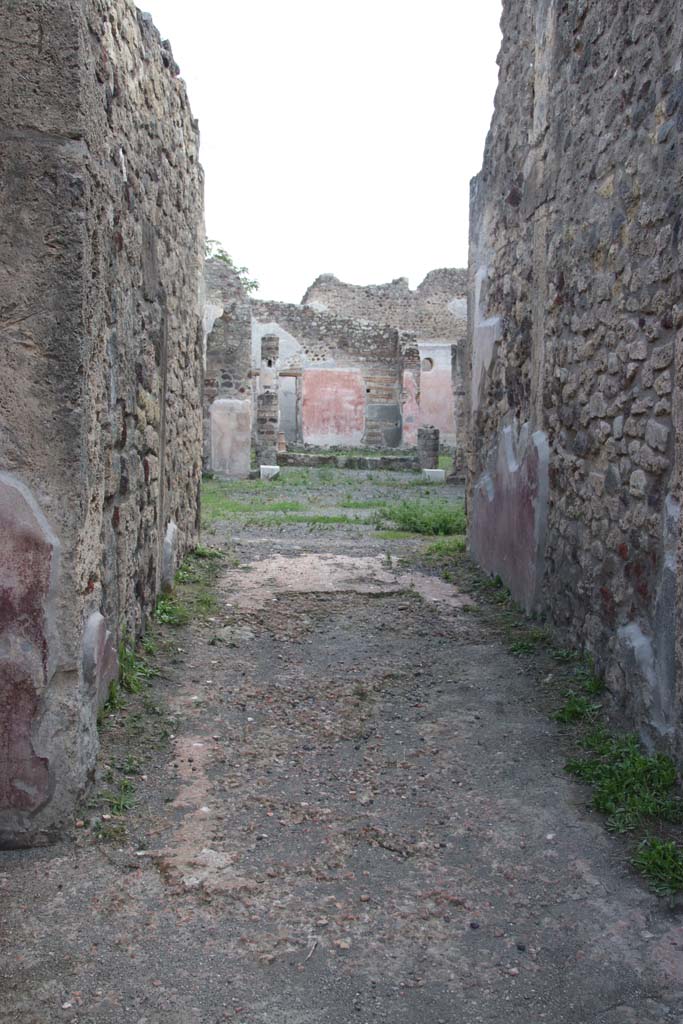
337,137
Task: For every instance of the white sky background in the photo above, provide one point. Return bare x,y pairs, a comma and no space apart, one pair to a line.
337,138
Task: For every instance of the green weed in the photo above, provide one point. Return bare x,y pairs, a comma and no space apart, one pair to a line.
447,546
576,708
589,682
662,864
134,672
122,799
171,612
311,520
628,785
433,518
351,503
397,534
201,552
530,642
565,656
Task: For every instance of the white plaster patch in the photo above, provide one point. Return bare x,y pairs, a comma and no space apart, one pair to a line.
485,334
230,435
330,574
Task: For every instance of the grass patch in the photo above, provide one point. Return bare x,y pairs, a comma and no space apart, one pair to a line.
577,707
352,503
397,535
628,785
432,518
194,596
231,500
201,552
134,672
120,800
531,641
171,612
311,520
661,861
446,547
635,791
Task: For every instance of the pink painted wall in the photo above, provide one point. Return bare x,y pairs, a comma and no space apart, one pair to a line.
437,406
333,407
410,409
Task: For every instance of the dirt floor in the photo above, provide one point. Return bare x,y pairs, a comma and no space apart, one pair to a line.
341,800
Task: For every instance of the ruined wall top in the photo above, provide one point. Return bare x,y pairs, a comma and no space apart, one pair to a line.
437,308
324,333
223,283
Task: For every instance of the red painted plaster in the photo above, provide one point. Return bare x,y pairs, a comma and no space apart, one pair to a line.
333,408
26,554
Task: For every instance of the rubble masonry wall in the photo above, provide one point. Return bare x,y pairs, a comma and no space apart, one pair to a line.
101,366
575,352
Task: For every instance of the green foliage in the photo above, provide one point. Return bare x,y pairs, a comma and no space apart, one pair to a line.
433,518
447,546
221,500
576,708
214,250
628,785
587,679
201,552
312,520
662,864
134,671
121,800
350,502
396,535
171,612
530,641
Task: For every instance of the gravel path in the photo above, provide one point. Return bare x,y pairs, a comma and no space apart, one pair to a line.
347,804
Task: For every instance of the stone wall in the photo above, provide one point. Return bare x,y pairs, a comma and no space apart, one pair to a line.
436,312
227,401
437,308
573,364
347,373
100,362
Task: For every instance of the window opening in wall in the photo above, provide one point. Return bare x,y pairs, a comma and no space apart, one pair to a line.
270,362
427,364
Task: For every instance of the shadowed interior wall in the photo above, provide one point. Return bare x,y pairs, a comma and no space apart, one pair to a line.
100,362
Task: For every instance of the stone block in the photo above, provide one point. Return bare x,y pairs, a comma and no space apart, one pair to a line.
230,428
269,472
169,557
435,476
100,658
